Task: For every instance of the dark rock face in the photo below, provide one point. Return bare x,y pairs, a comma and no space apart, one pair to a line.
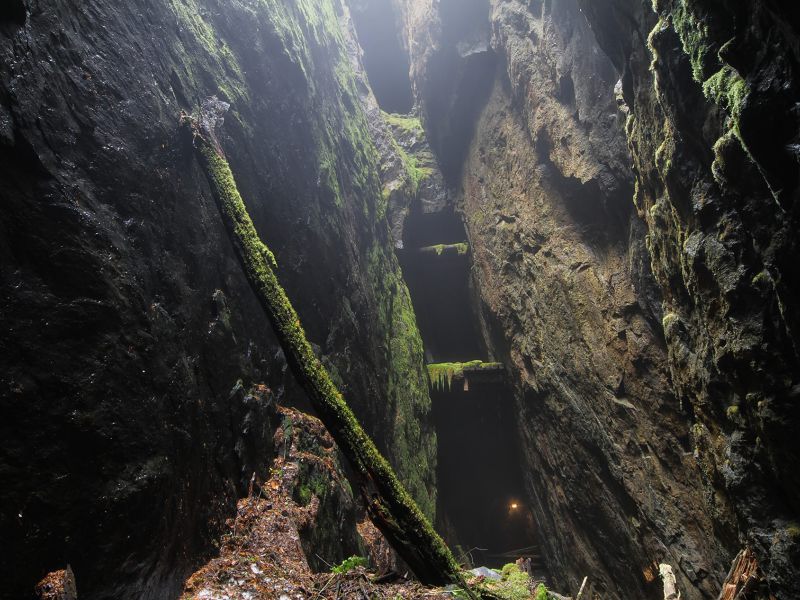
713,89
565,286
653,343
126,320
319,480
12,14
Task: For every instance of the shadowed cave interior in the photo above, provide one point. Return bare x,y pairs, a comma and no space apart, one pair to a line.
542,253
479,479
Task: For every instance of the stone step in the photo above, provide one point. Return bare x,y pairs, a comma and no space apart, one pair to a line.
442,375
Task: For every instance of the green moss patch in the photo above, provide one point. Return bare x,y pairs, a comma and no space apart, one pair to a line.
460,249
514,584
441,375
406,123
720,82
727,89
411,443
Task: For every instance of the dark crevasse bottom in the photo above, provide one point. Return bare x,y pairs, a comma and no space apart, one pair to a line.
480,484
481,507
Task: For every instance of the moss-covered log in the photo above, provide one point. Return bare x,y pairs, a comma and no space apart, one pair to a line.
441,375
459,249
390,506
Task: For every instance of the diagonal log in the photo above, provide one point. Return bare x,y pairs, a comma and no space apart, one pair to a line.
389,505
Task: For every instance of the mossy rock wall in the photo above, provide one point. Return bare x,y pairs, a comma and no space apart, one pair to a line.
712,92
112,234
647,315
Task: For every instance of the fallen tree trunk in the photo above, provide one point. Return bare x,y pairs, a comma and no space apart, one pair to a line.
390,506
744,579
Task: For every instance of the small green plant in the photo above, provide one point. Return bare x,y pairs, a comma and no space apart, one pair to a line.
541,592
514,584
348,564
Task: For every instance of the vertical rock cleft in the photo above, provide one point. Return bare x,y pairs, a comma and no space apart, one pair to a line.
651,344
451,65
385,62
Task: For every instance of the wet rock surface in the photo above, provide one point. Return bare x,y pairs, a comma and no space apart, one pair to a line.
712,90
126,320
652,341
561,266
603,439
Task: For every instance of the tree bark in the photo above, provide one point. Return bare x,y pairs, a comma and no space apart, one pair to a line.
389,505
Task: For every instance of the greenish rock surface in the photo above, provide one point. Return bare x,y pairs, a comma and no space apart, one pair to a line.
574,279
711,133
459,249
145,387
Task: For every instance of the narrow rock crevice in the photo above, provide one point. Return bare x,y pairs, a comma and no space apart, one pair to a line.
479,478
547,250
385,60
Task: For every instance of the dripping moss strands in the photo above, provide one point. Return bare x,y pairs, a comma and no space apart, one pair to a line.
441,375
